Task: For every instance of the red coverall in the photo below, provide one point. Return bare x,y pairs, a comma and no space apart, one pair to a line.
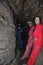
37,45
42,33
30,42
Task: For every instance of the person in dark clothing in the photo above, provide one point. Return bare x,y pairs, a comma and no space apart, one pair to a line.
20,43
20,40
25,36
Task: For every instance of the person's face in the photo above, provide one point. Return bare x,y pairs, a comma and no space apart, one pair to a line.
19,26
37,20
29,23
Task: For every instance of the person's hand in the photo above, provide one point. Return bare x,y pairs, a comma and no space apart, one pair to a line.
30,36
35,39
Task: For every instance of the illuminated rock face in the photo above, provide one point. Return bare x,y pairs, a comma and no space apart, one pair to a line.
7,35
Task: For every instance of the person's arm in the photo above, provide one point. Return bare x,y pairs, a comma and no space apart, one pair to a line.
23,28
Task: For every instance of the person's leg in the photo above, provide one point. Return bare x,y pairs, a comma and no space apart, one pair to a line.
28,48
34,55
21,43
27,51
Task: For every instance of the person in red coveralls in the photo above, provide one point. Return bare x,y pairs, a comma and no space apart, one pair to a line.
30,40
42,32
37,42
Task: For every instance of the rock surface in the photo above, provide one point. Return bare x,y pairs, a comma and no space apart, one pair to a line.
27,8
7,35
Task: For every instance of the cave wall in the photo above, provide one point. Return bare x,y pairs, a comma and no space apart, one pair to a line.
7,34
27,8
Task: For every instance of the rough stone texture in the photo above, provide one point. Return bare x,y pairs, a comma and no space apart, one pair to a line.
7,35
27,8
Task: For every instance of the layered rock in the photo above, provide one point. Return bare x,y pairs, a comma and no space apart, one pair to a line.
7,35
